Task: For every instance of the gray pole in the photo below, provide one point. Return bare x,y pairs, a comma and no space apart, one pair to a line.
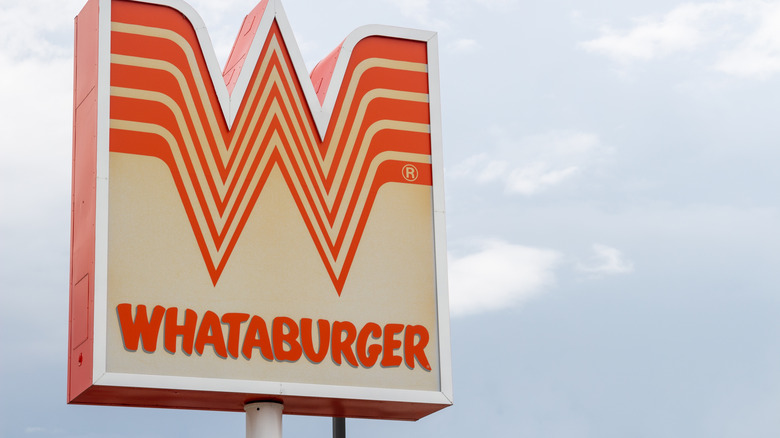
339,427
263,420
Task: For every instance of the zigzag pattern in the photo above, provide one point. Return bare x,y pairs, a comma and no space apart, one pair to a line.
163,104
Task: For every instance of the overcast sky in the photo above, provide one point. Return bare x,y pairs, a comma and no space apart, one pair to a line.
612,209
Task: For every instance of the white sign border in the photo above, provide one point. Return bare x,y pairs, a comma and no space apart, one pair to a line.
321,114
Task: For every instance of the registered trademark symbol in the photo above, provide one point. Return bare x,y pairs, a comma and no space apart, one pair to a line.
410,172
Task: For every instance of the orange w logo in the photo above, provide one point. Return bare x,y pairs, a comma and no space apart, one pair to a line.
220,150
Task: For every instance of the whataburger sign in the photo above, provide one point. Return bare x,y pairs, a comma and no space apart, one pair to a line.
257,233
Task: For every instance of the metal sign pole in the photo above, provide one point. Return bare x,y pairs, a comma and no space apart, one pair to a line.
339,427
263,420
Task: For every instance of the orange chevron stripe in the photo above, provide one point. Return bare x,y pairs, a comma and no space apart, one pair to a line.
163,105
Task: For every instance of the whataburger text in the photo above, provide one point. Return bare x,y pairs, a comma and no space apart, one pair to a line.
284,339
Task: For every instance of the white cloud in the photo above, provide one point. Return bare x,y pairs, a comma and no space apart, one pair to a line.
497,3
758,53
606,260
36,154
740,36
35,160
37,28
463,45
535,163
531,179
679,30
498,275
415,9
420,12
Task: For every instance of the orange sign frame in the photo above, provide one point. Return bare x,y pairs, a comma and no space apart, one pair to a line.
263,235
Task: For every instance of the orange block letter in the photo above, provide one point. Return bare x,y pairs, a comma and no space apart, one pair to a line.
341,346
412,350
257,337
210,332
389,358
234,320
186,330
307,339
141,327
368,354
290,338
